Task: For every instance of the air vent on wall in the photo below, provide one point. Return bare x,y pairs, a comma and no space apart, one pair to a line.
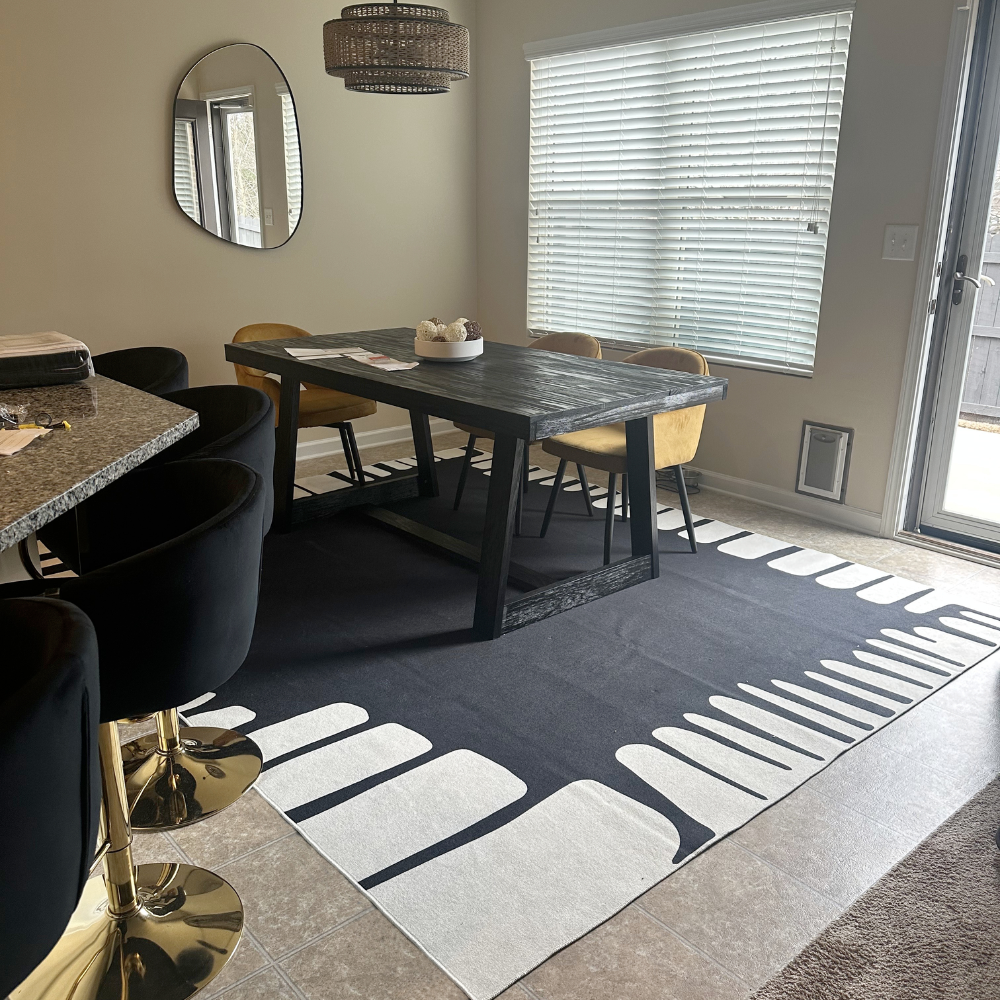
824,459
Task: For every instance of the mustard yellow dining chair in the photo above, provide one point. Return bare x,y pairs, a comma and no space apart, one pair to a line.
676,435
318,407
580,345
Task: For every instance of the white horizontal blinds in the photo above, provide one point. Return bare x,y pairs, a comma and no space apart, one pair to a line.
680,188
293,162
185,176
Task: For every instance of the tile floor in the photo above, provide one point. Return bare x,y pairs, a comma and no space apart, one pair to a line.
718,928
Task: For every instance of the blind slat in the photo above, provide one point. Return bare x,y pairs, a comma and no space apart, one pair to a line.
293,161
680,188
185,172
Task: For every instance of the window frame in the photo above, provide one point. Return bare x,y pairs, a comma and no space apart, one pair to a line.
725,18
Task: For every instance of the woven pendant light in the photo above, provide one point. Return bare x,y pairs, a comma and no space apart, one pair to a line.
396,48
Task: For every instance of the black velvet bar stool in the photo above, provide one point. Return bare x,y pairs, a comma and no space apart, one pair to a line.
153,369
50,783
178,776
170,583
234,422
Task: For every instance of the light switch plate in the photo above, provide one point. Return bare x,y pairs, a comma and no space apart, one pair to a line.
269,218
900,243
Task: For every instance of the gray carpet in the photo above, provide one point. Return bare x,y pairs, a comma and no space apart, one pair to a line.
929,930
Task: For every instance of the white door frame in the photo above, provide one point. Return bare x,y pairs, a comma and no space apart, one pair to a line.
935,221
954,361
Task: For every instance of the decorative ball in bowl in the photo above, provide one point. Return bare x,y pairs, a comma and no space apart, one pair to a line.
458,341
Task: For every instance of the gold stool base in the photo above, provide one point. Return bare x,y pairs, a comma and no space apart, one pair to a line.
210,770
185,931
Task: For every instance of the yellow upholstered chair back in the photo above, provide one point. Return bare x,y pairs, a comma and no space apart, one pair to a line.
262,331
580,344
678,432
676,359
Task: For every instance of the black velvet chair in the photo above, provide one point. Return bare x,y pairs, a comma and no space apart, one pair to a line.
170,582
173,596
50,784
153,369
235,422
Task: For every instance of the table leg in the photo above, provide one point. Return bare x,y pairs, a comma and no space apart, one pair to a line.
642,479
424,448
494,562
286,438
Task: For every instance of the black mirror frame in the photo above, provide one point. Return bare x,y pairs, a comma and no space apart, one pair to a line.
173,177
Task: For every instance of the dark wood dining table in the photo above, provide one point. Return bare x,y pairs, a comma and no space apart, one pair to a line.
521,396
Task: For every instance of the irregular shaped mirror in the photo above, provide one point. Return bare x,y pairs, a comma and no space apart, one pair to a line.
237,163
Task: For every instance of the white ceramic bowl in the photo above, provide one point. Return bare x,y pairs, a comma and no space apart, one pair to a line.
458,350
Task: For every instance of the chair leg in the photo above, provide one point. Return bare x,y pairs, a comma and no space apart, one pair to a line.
464,474
188,920
179,776
624,497
551,505
348,454
685,506
354,451
609,517
582,473
525,468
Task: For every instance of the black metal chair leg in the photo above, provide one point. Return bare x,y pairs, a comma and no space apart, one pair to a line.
464,474
685,506
609,517
624,497
525,468
348,454
582,473
551,505
357,454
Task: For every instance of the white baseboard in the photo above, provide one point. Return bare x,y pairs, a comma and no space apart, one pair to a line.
330,445
855,518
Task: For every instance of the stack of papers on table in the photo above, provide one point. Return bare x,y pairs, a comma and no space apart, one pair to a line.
308,353
354,354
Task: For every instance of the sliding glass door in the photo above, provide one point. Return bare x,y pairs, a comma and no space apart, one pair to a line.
958,465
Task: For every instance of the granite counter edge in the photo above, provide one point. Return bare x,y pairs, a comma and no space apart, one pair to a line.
42,515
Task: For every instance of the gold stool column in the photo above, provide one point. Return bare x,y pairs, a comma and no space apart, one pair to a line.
155,931
177,776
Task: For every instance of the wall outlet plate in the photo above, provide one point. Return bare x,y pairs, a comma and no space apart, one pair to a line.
268,217
900,243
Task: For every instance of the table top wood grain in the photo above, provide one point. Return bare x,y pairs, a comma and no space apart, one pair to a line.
530,394
114,428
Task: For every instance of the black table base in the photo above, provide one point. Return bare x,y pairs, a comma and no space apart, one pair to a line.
494,615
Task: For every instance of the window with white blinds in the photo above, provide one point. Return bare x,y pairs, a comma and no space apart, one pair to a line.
185,174
680,189
293,161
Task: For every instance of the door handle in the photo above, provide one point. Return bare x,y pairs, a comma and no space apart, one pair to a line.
960,276
978,282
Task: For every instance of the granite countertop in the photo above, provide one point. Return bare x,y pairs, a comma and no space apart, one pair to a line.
114,429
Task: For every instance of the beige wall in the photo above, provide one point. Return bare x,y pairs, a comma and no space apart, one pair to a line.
894,82
93,244
397,224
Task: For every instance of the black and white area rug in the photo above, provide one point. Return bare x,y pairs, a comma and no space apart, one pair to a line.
497,800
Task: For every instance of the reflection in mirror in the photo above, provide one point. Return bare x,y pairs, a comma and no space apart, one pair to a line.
237,163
